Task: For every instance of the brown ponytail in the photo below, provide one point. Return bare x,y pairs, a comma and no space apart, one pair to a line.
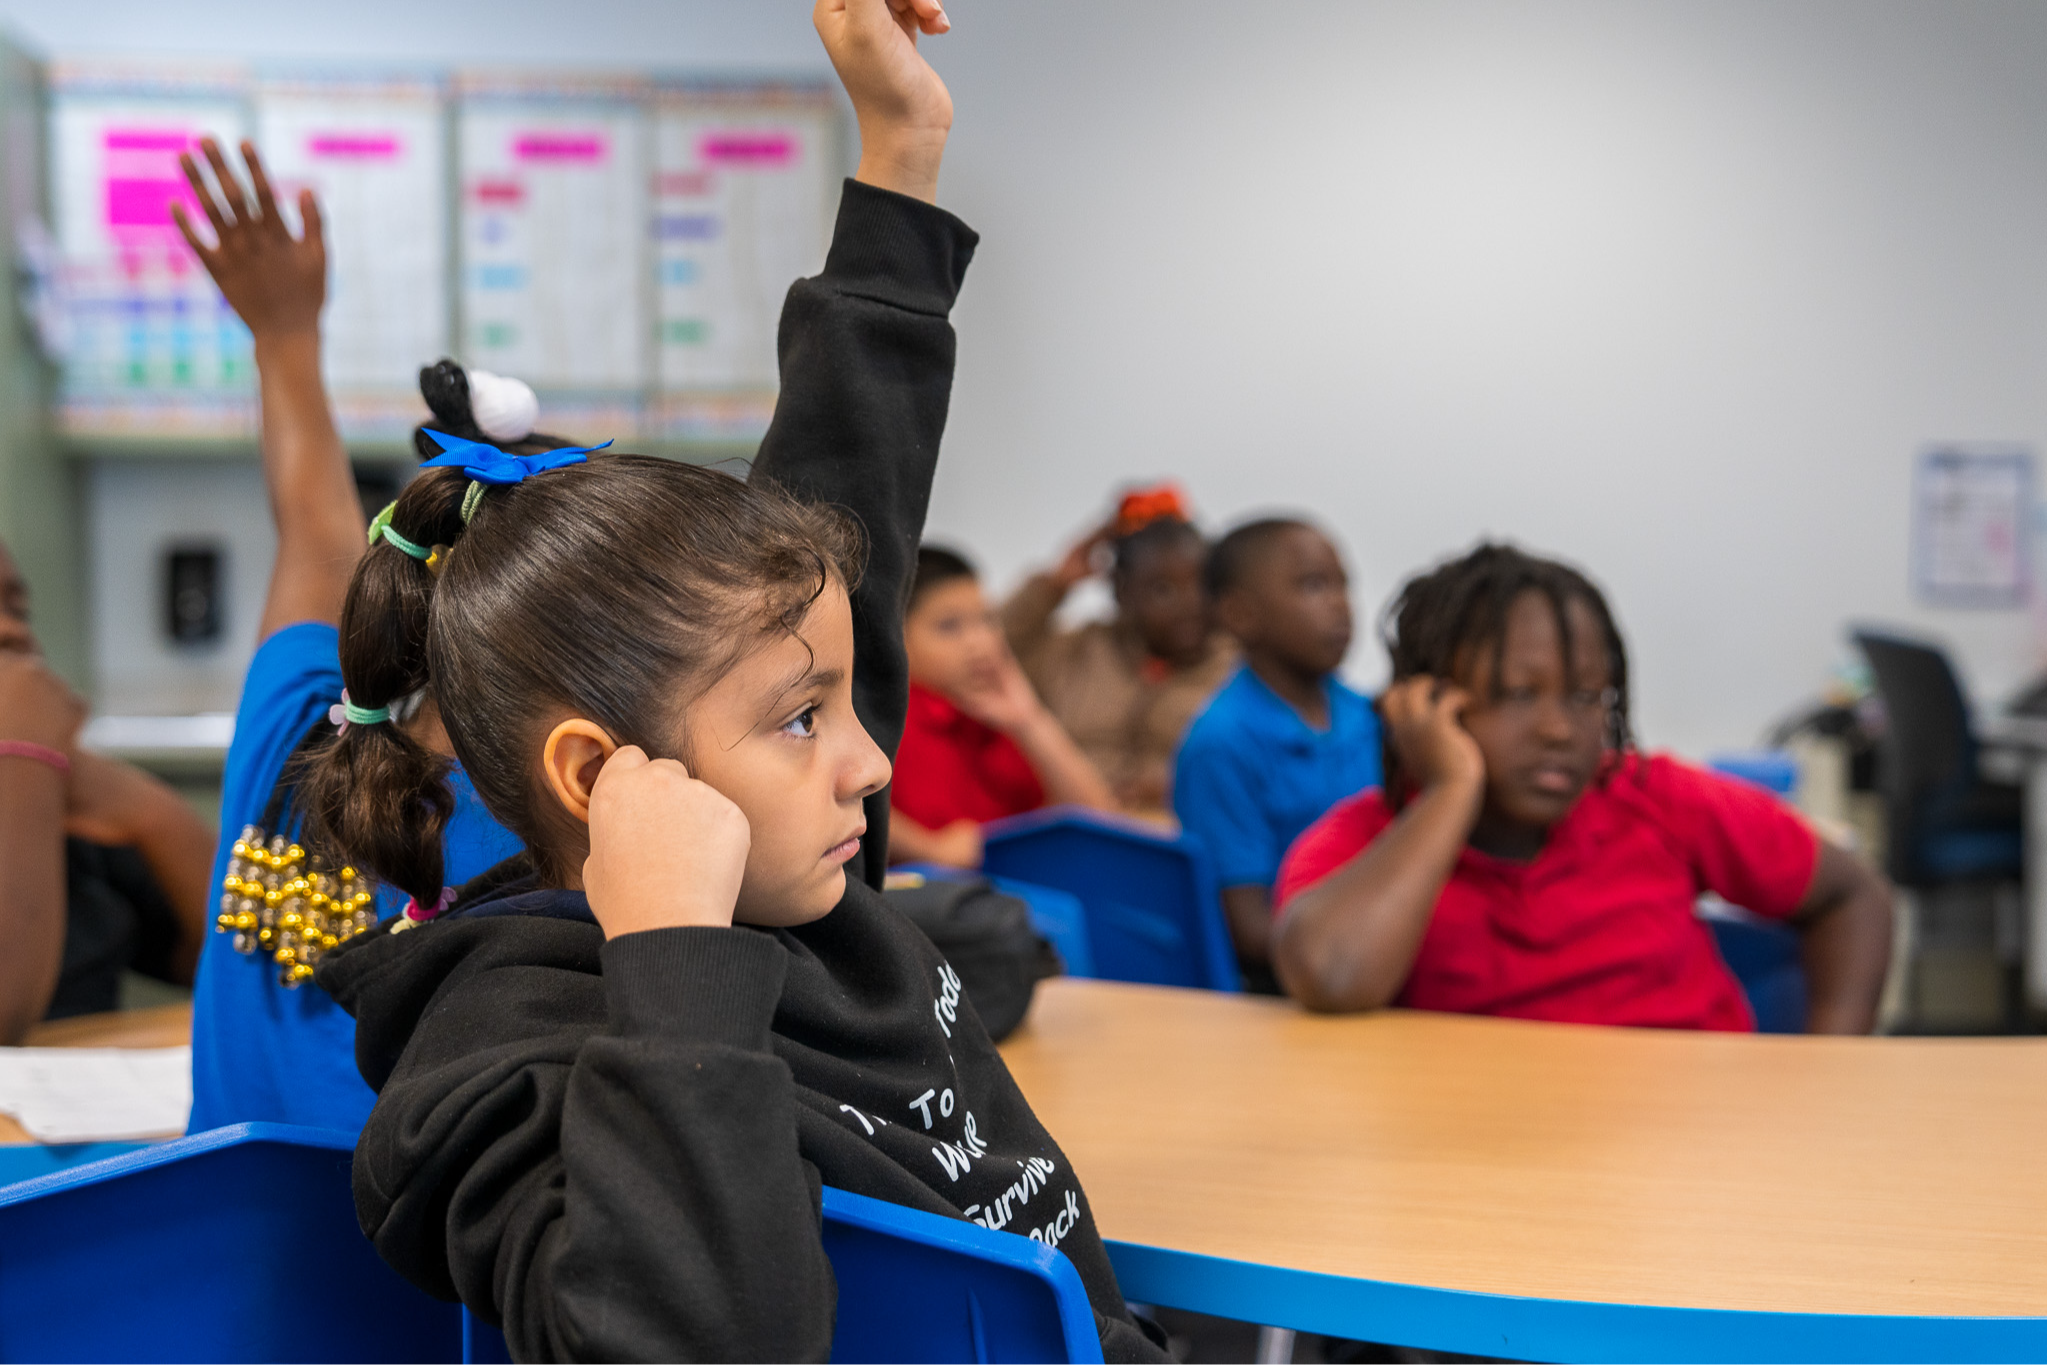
617,589
376,795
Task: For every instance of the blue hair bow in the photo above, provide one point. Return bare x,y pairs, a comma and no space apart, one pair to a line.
489,465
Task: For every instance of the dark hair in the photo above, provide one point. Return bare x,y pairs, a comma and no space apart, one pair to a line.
936,565
593,589
1230,562
445,386
1442,620
1165,533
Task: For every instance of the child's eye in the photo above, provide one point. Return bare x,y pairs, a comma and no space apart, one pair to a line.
804,725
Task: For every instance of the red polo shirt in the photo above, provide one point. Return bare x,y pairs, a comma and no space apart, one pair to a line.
952,767
1600,927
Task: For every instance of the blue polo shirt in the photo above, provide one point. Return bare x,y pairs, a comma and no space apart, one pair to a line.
262,1051
1252,775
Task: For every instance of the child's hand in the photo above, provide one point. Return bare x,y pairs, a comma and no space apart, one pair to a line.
1423,718
666,851
958,845
107,801
37,706
277,283
1081,562
903,108
1003,698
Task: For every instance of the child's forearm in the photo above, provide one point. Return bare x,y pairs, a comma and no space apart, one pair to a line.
1068,776
1349,941
312,489
31,892
179,849
1845,930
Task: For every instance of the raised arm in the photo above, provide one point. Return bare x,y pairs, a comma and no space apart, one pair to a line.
1349,941
277,284
867,351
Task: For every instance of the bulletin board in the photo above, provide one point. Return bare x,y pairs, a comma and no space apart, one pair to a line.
622,243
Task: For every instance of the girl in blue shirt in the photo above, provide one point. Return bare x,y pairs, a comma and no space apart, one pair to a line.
266,1045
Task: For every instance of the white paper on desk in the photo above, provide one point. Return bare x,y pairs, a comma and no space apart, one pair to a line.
96,1094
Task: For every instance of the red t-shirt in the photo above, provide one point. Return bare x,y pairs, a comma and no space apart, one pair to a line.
1600,927
952,767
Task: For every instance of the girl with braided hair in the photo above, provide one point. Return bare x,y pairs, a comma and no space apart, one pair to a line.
1524,858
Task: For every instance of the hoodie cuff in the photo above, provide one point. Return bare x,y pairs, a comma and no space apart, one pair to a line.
897,250
706,985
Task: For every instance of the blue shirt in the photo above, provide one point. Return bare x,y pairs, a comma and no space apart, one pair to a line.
262,1051
1252,775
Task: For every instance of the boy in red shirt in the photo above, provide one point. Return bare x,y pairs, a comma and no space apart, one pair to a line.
977,743
1525,859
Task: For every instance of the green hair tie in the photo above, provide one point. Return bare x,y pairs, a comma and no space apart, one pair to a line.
381,529
470,500
345,713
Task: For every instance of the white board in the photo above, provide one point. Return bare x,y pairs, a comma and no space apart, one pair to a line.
553,213
745,184
375,154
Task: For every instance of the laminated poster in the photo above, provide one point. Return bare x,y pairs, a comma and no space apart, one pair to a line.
1971,516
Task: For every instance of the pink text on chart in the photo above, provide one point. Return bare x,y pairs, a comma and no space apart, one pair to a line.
143,178
559,147
747,149
353,146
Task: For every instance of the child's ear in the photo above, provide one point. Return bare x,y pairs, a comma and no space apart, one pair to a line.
572,757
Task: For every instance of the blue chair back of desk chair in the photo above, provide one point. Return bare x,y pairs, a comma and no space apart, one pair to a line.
916,1286
237,1244
1153,911
1765,960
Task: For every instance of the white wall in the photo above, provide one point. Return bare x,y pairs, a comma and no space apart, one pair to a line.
1674,289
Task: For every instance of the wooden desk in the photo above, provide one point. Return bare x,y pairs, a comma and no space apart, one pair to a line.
166,1026
1553,1191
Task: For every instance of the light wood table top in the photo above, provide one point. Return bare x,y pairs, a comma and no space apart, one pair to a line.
164,1026
1886,1176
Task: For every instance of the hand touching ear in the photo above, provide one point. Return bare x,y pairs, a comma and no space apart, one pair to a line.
666,851
903,108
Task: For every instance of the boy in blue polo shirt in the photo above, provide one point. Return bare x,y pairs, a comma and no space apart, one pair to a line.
1284,740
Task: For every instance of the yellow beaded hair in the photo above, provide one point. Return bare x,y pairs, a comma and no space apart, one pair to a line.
277,899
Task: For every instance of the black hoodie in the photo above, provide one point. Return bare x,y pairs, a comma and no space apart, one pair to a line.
615,1148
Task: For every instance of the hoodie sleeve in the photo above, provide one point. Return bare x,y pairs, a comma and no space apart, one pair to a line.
867,361
627,1190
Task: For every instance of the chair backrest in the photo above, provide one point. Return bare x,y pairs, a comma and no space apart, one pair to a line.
1928,755
236,1244
1153,912
916,1286
1764,958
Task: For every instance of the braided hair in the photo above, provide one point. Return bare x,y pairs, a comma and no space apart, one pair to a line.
1441,623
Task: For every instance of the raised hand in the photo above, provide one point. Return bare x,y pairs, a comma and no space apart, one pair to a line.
903,108
1423,718
276,282
1083,560
666,851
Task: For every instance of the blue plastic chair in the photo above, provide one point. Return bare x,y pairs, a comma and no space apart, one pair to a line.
240,1243
1762,954
915,1286
1058,915
1153,912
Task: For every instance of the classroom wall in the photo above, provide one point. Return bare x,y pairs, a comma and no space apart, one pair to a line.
1675,289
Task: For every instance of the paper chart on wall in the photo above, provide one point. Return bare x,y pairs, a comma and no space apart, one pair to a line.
1972,517
375,156
744,186
553,208
149,344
